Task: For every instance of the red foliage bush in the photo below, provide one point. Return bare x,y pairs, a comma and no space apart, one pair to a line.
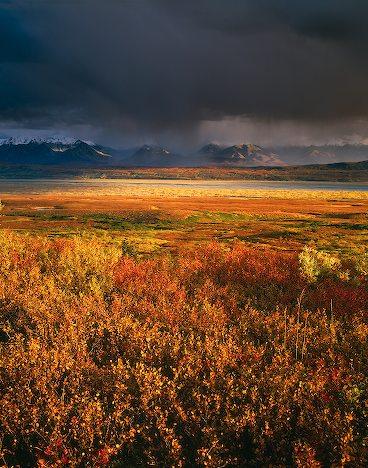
214,357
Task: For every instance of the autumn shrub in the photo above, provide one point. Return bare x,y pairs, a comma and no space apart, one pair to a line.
360,261
220,356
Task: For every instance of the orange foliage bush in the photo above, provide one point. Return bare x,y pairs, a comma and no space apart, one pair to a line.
215,357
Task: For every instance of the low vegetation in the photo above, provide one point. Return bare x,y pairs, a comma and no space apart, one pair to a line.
349,172
214,355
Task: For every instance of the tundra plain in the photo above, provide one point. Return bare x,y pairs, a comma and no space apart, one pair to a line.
168,327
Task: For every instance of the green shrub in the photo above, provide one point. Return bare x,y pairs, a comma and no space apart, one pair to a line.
316,264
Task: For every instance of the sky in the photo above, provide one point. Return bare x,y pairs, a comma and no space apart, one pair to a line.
182,73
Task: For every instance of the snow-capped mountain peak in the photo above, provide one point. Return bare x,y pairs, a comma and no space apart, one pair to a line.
54,139
52,150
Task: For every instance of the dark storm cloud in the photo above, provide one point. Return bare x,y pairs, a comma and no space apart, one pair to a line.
334,19
162,64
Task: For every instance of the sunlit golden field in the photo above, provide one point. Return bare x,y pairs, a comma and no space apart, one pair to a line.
168,189
182,329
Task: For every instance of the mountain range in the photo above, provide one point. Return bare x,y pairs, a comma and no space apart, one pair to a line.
75,152
59,151
247,155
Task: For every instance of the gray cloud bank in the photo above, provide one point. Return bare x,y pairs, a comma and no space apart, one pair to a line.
163,68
